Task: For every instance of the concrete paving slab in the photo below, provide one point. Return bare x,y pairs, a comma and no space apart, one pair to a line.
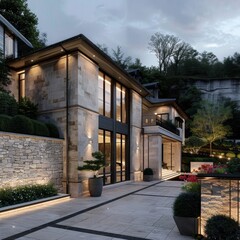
134,210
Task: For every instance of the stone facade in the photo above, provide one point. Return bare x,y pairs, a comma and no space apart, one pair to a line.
135,134
26,159
219,196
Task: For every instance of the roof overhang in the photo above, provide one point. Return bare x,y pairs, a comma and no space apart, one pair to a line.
12,29
83,45
165,102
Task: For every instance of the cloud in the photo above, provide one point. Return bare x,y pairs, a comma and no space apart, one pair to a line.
206,25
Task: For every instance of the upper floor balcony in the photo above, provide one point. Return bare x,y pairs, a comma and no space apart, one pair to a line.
154,120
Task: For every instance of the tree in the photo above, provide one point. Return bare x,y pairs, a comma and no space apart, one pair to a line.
193,144
118,57
208,122
163,46
182,52
20,16
232,65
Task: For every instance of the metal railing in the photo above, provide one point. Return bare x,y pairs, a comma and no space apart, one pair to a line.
151,120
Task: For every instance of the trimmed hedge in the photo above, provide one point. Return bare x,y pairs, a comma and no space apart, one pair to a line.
40,129
22,124
53,130
10,196
5,123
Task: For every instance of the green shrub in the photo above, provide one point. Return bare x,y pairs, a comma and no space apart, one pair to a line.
230,155
5,123
53,130
21,124
27,108
187,205
222,227
8,104
40,129
233,165
10,196
147,171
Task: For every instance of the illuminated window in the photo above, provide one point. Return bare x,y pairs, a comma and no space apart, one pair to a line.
121,109
104,95
105,146
120,157
9,46
22,85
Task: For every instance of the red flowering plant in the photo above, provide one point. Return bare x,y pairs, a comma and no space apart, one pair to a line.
216,168
188,178
192,184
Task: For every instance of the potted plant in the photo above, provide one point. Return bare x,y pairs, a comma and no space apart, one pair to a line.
147,174
95,184
186,211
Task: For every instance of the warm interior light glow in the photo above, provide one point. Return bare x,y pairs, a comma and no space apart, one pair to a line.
37,206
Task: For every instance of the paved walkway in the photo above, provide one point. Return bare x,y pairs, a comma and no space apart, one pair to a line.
134,210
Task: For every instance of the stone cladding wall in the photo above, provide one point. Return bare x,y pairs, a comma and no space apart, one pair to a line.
26,159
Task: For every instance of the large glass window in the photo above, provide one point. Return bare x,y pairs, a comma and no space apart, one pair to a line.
121,109
9,47
22,85
104,145
120,157
104,95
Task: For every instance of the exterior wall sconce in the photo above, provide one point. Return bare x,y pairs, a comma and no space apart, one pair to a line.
138,147
90,141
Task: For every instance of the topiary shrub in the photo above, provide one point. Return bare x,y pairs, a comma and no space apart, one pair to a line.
27,108
53,130
187,205
40,129
22,124
8,104
222,227
147,171
5,123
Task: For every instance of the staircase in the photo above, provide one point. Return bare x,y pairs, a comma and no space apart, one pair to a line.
169,174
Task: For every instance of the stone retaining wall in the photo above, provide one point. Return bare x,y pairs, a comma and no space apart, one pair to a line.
219,196
26,159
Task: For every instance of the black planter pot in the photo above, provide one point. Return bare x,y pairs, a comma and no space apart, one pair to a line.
187,226
147,178
95,186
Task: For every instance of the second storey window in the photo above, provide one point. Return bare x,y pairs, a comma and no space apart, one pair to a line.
9,47
121,110
104,95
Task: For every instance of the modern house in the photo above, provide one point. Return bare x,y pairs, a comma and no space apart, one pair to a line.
99,106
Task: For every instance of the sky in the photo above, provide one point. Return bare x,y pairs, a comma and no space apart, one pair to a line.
207,25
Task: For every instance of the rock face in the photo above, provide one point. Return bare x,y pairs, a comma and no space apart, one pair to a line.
214,89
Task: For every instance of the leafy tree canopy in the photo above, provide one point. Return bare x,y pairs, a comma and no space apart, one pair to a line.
20,16
208,122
